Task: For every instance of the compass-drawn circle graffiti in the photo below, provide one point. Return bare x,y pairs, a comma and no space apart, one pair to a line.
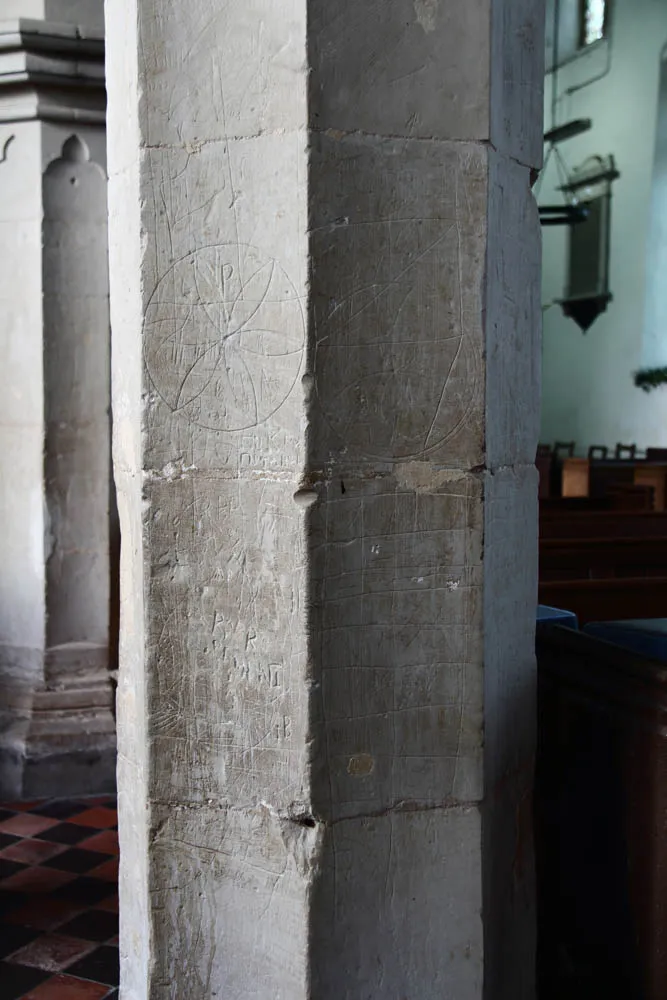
224,337
398,371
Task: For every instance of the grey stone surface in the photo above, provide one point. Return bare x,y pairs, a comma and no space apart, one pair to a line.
83,771
56,721
389,886
21,673
517,80
513,333
324,385
84,13
410,69
228,700
21,434
22,603
398,234
245,929
51,70
396,579
190,97
510,598
70,742
77,445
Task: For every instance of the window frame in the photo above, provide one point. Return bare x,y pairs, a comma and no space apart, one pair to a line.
584,45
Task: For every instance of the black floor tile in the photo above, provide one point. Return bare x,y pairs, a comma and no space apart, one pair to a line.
15,980
59,810
11,901
102,966
76,860
83,890
96,925
8,868
12,938
65,833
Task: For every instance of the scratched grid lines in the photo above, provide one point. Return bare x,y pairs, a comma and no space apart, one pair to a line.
397,588
228,648
397,301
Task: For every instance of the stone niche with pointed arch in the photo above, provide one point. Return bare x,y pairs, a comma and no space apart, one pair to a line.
77,473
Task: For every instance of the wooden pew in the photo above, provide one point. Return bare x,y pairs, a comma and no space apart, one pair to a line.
608,524
600,807
634,496
581,477
554,506
601,558
575,474
608,599
619,497
561,450
603,564
653,474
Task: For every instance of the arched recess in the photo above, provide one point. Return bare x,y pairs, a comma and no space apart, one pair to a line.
75,709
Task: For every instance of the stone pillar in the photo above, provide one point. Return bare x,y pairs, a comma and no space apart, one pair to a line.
57,732
325,316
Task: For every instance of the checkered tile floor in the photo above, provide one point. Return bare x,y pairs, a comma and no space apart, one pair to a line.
59,900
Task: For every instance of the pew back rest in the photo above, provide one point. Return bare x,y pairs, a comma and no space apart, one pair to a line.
591,558
601,803
609,524
607,599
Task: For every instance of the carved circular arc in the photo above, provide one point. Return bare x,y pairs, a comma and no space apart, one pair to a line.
224,335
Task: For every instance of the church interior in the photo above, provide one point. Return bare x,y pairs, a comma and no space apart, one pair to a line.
601,463
602,452
599,786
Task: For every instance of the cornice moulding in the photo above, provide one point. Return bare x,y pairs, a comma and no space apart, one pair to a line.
51,72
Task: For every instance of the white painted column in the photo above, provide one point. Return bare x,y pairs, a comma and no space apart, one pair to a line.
324,284
22,597
57,731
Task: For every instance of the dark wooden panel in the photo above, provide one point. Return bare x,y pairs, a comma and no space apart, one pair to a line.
607,600
601,803
590,558
610,524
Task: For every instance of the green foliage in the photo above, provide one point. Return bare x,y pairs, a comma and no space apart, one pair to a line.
650,378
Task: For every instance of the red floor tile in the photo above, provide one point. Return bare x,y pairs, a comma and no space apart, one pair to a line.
25,825
61,902
106,842
36,880
32,852
107,871
52,952
67,988
99,817
45,913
